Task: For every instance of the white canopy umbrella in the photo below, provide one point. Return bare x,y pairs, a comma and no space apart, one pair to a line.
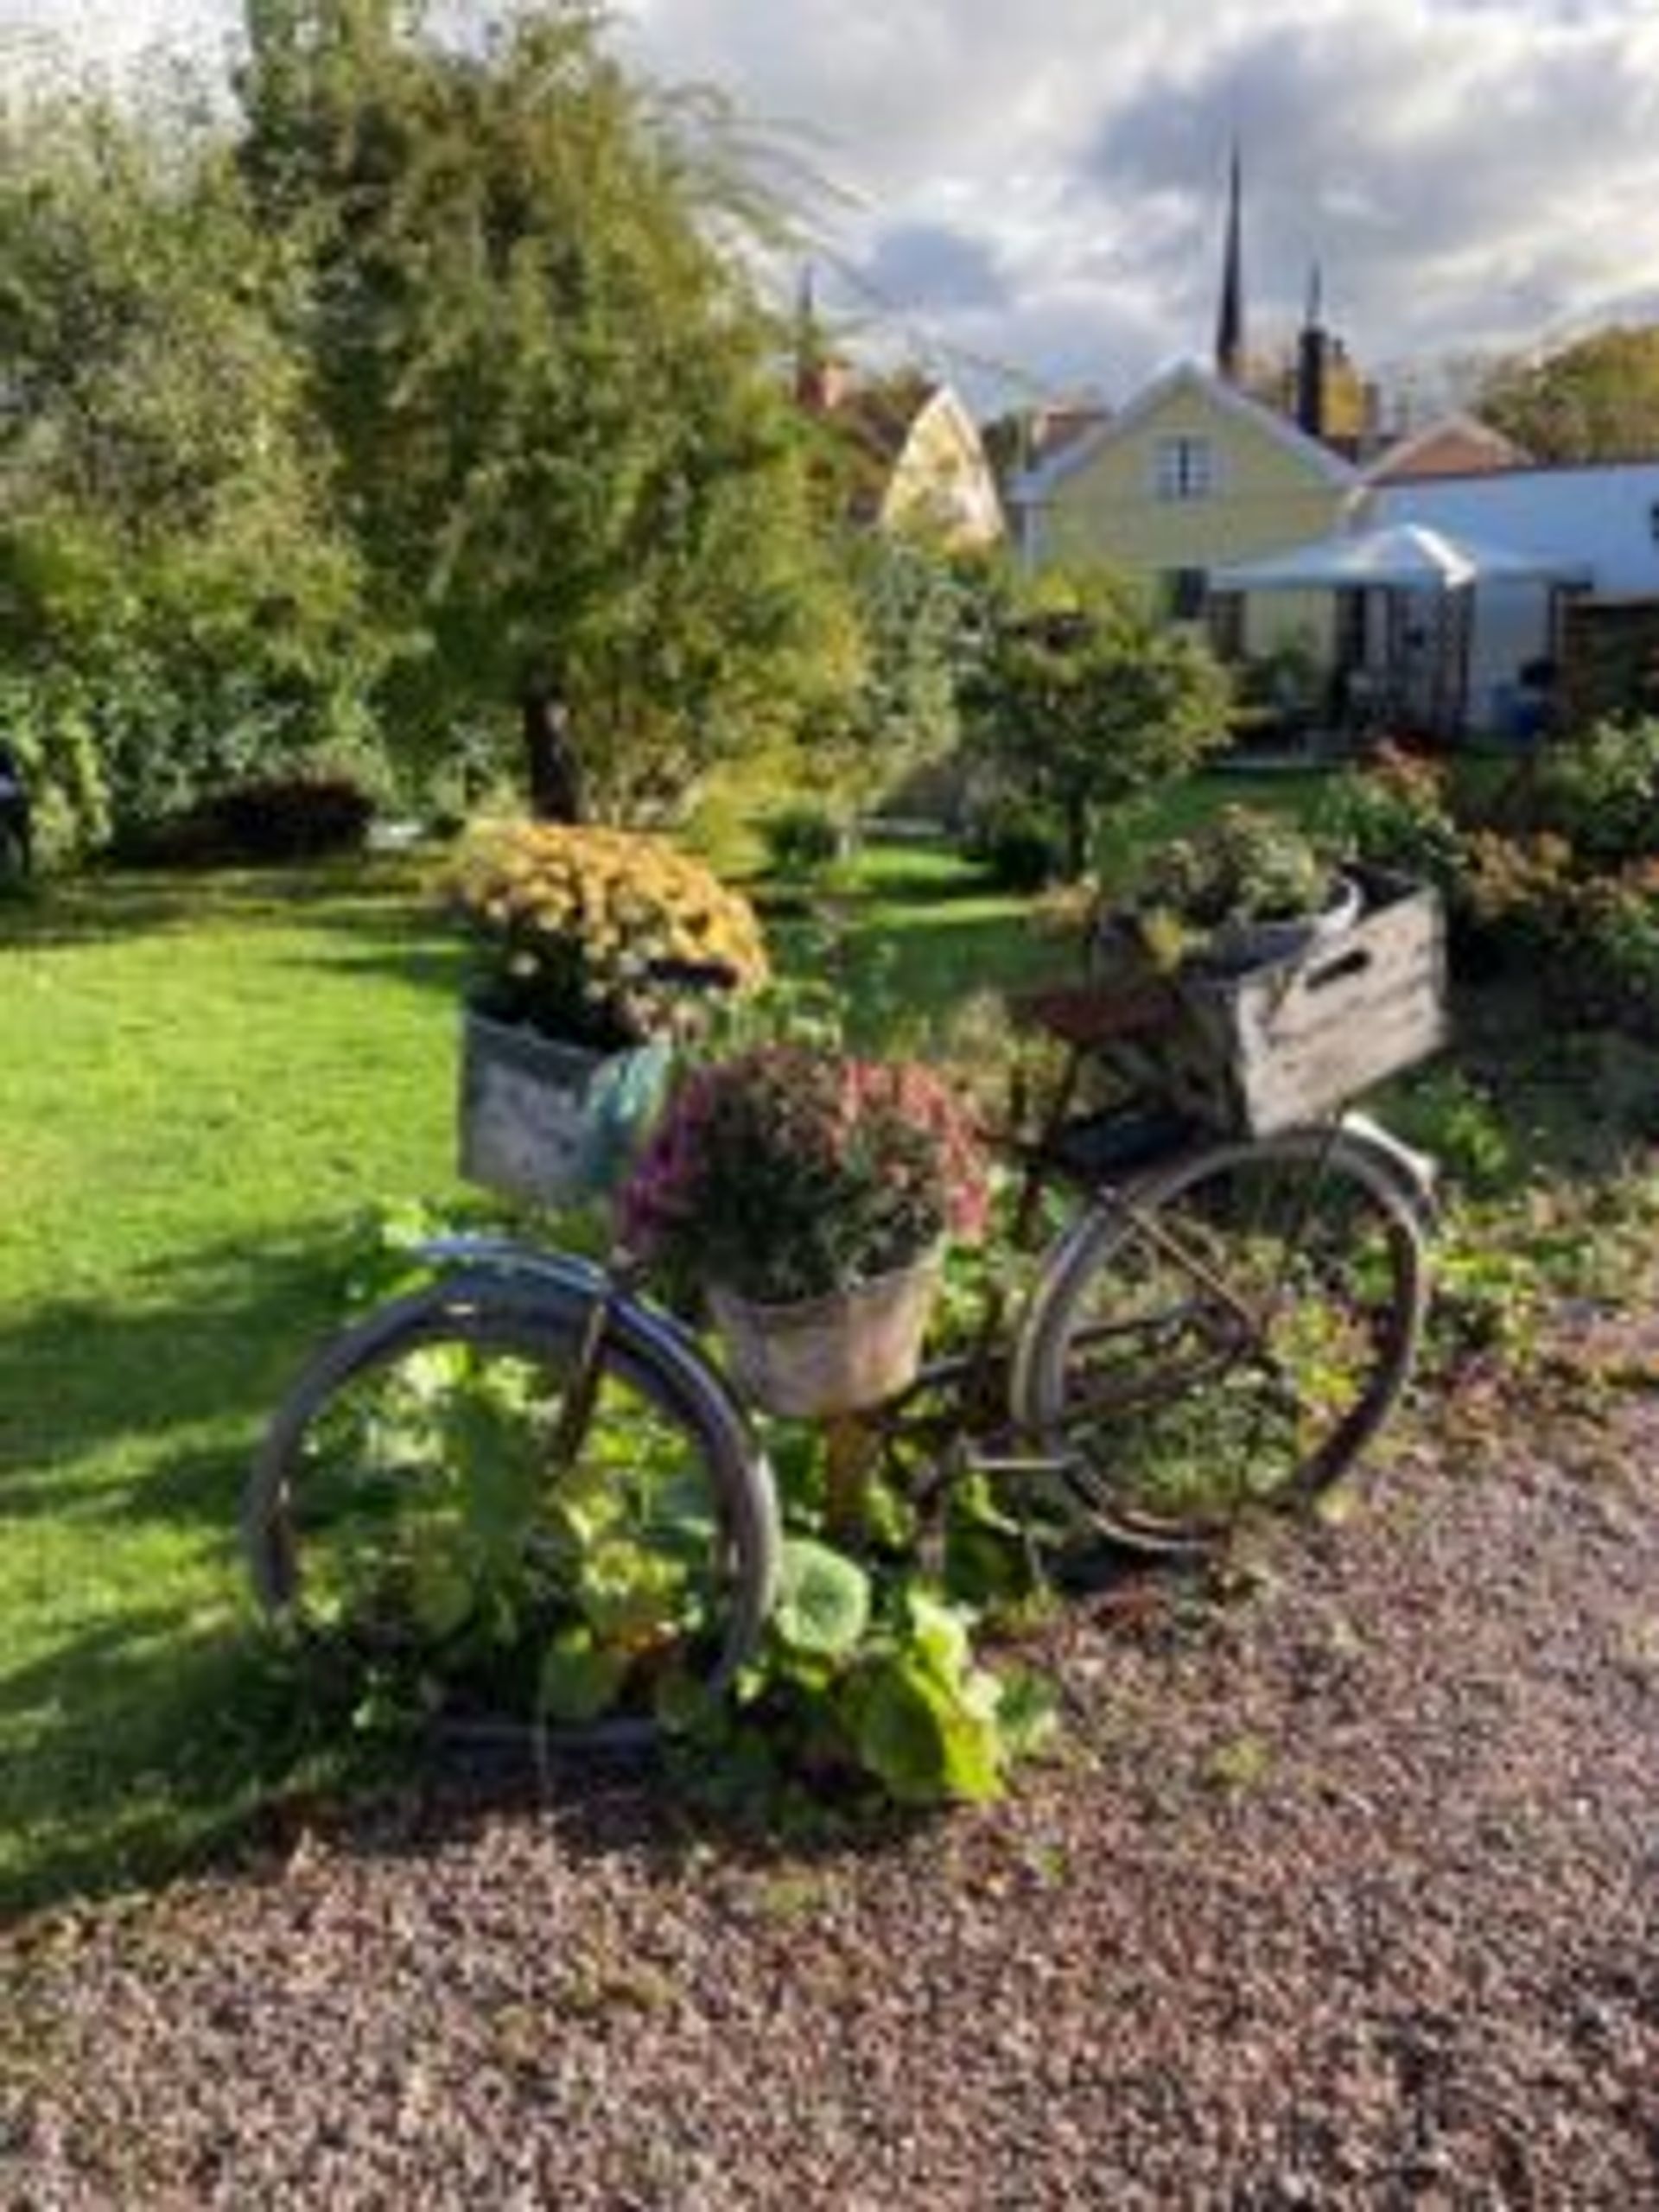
1394,556
1402,560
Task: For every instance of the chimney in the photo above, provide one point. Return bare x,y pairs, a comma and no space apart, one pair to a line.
1313,357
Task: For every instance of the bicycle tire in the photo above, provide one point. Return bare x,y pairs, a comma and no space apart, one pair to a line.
385,1470
1223,1338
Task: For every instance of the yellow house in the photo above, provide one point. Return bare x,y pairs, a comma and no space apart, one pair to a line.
1192,474
913,453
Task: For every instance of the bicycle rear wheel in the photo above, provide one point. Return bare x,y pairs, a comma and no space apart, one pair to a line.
418,1499
1225,1337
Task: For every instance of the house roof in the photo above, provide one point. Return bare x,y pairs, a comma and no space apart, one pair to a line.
1037,485
1457,444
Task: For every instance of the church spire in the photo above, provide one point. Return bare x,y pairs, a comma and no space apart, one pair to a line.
1229,323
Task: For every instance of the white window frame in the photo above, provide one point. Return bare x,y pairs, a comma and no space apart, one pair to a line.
1184,468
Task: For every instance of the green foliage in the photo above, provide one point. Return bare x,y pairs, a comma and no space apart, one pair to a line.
569,464
270,818
1396,813
178,608
1599,789
1081,702
1596,399
1245,866
803,841
912,604
823,1601
1022,843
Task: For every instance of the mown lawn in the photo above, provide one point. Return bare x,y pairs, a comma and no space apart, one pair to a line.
205,1080
208,1083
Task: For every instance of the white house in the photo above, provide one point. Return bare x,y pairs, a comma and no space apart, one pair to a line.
1600,520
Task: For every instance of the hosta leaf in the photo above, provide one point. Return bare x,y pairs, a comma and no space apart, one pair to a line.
922,1742
824,1600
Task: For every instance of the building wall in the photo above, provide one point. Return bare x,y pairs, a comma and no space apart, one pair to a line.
941,479
1605,518
1263,496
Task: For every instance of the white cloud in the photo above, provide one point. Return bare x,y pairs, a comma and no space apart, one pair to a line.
1040,186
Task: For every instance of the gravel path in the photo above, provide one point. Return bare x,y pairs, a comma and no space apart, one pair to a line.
1345,1894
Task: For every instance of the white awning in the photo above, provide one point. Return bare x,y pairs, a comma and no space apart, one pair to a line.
1397,556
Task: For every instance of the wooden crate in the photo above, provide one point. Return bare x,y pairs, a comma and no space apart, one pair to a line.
1293,1041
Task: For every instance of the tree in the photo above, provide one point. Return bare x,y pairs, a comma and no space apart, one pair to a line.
570,466
176,605
1082,702
1595,400
897,710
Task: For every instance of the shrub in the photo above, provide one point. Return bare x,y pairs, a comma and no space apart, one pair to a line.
593,934
278,818
1246,865
1600,791
1022,846
803,840
1397,814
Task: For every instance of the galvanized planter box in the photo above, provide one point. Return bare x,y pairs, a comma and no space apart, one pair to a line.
548,1121
1292,1040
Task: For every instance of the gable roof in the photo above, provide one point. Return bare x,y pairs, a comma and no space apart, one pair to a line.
1037,484
1457,444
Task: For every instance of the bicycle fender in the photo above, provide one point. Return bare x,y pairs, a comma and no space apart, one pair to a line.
1413,1174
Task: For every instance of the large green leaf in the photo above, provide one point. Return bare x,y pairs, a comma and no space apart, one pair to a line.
824,1600
923,1739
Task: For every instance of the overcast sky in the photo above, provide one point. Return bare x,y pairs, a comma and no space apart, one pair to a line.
1040,186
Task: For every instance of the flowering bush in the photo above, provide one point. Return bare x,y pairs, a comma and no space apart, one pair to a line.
790,1172
594,934
1398,814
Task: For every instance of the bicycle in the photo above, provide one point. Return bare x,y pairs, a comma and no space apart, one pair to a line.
1217,1332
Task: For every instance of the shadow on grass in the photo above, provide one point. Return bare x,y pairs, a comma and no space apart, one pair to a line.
104,906
149,1746
196,1342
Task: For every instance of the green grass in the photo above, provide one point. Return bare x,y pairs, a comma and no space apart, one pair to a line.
209,1082
206,1081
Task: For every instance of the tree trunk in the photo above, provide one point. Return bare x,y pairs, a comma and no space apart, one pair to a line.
551,765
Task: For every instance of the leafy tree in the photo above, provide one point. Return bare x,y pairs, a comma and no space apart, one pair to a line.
1081,703
570,466
900,710
175,606
1596,399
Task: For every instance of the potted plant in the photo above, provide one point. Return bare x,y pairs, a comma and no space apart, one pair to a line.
1248,889
595,951
810,1193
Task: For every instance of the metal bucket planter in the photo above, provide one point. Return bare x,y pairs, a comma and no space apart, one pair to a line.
832,1355
548,1120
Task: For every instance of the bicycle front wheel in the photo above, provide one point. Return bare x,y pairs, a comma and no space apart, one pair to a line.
1225,1337
428,1496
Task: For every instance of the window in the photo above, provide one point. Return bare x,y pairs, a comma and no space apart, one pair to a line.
1185,468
